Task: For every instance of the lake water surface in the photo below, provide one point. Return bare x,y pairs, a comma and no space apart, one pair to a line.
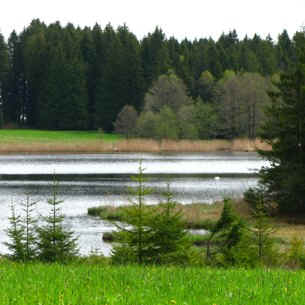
90,180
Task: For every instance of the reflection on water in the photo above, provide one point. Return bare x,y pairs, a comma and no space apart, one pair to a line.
90,180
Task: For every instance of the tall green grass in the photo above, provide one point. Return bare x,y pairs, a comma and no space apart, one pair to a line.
83,284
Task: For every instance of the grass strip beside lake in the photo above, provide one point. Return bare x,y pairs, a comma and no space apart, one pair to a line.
46,141
93,284
204,216
195,216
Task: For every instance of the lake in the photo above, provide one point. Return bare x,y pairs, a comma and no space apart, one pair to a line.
97,179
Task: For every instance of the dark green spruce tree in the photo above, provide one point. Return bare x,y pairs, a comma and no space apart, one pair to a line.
4,71
285,132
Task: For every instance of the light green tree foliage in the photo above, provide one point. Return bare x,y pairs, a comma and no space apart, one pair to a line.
241,101
206,119
168,110
146,124
55,243
255,98
167,125
169,91
206,86
187,122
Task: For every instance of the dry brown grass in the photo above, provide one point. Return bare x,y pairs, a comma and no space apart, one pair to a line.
249,145
149,145
137,145
55,147
131,145
286,228
199,212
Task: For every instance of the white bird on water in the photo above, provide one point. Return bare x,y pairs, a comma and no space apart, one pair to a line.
216,178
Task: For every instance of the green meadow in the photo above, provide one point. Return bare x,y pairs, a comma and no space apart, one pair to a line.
98,284
32,135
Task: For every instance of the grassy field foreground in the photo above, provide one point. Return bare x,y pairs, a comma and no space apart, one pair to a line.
87,284
43,141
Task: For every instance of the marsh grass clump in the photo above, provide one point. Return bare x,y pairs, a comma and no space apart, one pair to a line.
295,254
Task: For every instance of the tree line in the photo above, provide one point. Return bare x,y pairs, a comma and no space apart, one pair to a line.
56,77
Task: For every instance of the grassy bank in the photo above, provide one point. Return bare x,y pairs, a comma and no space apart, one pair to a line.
203,216
134,285
42,141
195,216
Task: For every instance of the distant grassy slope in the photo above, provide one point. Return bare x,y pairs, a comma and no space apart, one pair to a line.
48,141
93,284
31,135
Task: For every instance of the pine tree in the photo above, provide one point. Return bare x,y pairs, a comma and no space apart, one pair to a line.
285,132
261,232
4,71
55,243
135,242
16,235
29,228
227,230
169,243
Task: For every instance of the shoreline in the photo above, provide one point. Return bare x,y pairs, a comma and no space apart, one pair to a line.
132,146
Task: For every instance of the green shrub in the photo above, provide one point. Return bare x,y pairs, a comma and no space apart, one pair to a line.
295,255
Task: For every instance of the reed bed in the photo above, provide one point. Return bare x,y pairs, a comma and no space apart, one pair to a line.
195,216
99,284
129,145
148,145
55,147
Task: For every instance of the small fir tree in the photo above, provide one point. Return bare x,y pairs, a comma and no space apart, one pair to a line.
224,223
55,243
16,234
29,228
134,242
169,241
228,232
261,232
